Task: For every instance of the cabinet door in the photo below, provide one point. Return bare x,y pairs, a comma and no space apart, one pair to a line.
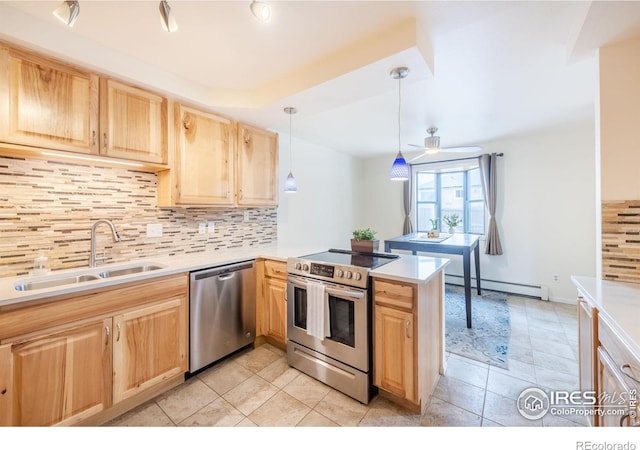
394,363
257,182
149,346
205,165
276,291
6,386
133,123
613,393
47,104
62,378
587,350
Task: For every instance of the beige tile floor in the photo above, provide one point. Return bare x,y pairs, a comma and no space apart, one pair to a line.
256,387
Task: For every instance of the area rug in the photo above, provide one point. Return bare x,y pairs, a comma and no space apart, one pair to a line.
487,340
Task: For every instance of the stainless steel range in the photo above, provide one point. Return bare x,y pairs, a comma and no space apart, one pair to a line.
329,310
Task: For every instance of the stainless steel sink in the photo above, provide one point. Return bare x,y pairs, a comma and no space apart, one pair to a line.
128,270
31,284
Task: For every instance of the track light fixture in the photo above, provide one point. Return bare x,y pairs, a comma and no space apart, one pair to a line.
261,10
67,12
167,20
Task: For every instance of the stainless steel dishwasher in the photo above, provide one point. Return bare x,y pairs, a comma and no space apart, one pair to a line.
222,312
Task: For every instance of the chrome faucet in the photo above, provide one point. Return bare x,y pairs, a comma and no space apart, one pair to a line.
116,238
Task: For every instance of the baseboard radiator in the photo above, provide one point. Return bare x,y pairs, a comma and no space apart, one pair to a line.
527,290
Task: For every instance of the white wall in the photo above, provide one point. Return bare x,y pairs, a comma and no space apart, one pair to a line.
546,208
322,211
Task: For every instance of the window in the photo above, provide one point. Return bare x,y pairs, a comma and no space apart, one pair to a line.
446,190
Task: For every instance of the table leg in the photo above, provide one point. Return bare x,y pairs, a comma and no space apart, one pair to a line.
466,263
476,254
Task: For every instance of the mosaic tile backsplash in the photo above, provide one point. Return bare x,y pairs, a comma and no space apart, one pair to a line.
621,241
51,206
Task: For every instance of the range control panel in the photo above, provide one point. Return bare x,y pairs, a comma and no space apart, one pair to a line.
348,275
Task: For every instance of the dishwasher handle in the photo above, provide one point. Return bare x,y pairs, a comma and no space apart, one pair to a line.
222,270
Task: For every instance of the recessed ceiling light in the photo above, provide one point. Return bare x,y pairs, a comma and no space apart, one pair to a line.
261,10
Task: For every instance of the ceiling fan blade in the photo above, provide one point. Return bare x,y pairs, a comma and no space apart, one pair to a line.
417,146
469,149
422,155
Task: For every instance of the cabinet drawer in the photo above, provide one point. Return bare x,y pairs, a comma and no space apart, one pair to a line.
394,294
275,269
622,356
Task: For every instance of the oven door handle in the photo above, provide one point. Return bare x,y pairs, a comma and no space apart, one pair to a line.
333,291
339,292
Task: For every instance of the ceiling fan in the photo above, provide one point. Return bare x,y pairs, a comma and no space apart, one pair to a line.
432,146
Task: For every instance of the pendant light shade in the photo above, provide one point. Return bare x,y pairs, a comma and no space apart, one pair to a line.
290,185
167,20
400,168
261,10
67,12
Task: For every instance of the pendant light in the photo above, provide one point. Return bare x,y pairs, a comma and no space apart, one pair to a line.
167,20
400,168
290,185
67,12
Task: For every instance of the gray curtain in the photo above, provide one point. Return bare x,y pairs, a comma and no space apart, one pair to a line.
406,199
487,165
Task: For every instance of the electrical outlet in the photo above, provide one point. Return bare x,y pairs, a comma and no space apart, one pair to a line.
555,278
211,227
154,230
202,227
246,216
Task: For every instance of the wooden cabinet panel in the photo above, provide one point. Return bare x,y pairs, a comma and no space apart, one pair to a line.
587,343
276,269
615,394
275,297
149,347
204,165
133,123
6,386
257,174
394,294
62,378
394,363
47,104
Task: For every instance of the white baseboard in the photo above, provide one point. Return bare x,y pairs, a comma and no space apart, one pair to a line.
541,292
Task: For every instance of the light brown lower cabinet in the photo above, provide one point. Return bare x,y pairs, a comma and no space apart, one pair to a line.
61,378
609,369
271,302
408,339
124,343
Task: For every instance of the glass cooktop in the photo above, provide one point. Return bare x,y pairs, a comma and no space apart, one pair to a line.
348,257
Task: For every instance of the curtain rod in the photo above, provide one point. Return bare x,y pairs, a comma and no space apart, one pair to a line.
451,160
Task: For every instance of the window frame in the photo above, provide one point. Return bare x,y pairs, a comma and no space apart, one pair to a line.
438,169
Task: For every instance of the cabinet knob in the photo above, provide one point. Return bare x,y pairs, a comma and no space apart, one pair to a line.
406,328
107,333
118,338
93,137
623,369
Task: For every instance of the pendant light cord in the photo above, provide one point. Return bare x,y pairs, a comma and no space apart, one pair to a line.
399,109
290,152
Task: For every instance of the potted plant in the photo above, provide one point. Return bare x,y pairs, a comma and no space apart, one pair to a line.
452,222
364,240
435,232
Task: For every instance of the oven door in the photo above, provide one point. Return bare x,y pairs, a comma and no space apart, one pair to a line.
348,340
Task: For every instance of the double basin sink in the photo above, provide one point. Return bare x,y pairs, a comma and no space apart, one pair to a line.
48,281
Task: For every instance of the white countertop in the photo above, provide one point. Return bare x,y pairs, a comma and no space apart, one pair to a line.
411,269
407,268
171,265
618,302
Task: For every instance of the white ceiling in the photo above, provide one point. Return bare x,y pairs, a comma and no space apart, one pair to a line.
478,70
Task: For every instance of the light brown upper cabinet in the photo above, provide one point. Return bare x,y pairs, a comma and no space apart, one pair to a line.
47,104
133,123
257,174
218,162
202,170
